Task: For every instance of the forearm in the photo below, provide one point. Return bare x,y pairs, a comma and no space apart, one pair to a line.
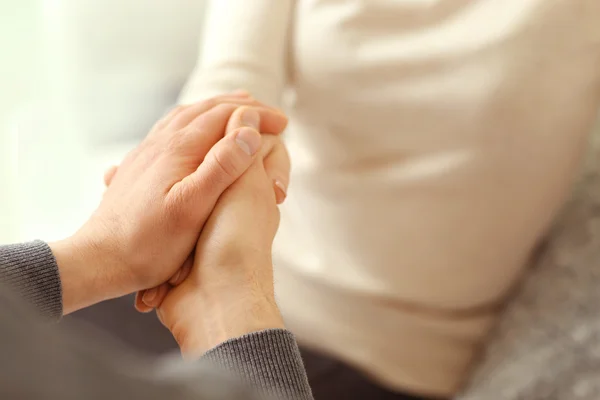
57,362
267,360
57,278
244,46
84,276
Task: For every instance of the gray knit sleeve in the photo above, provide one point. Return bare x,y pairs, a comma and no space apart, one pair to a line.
267,363
268,360
30,269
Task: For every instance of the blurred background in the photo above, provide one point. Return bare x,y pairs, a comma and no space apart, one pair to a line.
76,96
81,82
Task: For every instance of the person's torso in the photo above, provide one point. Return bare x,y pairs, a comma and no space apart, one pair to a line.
432,143
547,344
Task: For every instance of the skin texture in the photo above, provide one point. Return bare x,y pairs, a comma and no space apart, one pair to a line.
276,164
229,291
277,167
160,197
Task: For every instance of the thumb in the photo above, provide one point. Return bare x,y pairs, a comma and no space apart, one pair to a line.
222,166
276,158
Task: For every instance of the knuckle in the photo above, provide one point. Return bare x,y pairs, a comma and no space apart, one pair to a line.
201,121
225,108
175,201
173,112
227,166
195,127
209,103
163,122
179,214
175,141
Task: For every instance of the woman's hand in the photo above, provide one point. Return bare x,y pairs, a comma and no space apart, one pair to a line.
151,216
229,291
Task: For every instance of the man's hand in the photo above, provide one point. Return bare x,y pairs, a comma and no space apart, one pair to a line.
229,291
277,167
159,199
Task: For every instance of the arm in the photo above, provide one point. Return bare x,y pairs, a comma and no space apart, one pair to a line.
267,360
149,219
41,362
244,46
174,177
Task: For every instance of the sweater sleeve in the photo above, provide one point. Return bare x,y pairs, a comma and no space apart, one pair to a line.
266,362
269,361
244,46
30,270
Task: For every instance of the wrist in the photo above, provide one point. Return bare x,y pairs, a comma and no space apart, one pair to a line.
83,267
213,320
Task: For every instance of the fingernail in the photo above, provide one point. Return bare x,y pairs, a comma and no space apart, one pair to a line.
249,140
280,191
250,118
150,295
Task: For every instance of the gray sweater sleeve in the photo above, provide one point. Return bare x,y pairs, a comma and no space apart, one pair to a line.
266,363
30,269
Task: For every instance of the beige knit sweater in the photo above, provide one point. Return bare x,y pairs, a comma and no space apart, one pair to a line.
547,344
432,144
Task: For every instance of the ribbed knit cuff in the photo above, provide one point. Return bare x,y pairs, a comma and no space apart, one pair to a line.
30,269
268,360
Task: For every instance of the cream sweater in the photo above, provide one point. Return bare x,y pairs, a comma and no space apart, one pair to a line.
432,143
547,344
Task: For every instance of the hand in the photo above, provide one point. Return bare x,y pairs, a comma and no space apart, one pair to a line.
159,199
279,173
229,291
276,162
277,167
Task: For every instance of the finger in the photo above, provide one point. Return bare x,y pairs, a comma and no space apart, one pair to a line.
168,117
235,93
139,303
172,113
205,131
249,206
243,116
277,166
189,113
276,158
109,175
270,121
154,297
194,143
240,93
147,300
183,272
223,164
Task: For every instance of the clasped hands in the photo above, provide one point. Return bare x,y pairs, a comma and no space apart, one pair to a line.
188,219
